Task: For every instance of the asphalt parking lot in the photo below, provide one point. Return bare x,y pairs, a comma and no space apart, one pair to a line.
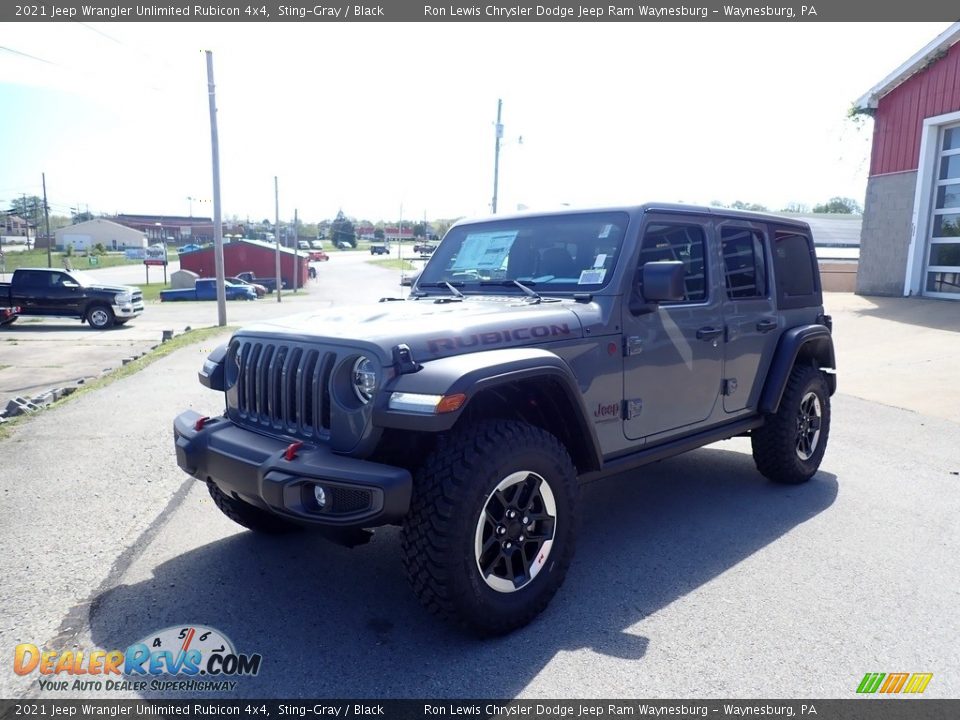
693,577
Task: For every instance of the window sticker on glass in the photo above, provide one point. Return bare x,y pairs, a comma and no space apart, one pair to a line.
592,277
605,231
600,261
484,251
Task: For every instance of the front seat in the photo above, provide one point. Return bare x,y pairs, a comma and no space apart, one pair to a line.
556,261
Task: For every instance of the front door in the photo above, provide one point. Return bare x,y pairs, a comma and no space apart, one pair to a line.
673,360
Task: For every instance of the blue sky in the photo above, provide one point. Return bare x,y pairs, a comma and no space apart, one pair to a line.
374,117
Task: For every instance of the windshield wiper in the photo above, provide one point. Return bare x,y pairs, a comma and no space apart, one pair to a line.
452,287
510,283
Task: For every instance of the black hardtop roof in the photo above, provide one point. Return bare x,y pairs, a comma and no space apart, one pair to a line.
652,207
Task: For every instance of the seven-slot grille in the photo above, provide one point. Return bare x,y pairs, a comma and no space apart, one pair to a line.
283,387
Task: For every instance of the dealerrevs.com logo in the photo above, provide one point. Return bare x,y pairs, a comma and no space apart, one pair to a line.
180,658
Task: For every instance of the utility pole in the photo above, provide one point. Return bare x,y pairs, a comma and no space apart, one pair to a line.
496,156
296,251
217,225
276,228
26,220
46,215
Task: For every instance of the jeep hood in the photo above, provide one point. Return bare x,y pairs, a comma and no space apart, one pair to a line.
431,329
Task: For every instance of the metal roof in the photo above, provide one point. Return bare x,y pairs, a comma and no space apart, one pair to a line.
930,53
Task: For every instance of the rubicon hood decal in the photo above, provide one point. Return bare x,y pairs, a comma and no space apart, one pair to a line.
431,329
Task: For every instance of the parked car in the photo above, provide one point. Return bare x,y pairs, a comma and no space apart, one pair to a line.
344,245
206,289
316,245
9,315
379,248
424,248
49,292
257,287
319,256
192,247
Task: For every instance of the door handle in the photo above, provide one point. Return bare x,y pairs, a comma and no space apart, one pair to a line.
766,325
709,333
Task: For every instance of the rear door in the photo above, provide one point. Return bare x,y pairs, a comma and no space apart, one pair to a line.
749,313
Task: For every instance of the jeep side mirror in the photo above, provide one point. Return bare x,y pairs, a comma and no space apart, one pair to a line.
663,281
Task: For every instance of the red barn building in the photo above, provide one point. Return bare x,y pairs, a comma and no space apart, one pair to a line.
248,255
910,243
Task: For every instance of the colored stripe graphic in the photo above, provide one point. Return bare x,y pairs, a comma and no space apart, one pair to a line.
870,682
894,683
918,682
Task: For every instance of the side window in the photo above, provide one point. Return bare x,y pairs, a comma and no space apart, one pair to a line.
30,279
793,262
743,263
669,241
794,268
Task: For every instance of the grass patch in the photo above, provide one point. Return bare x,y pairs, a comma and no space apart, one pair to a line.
38,259
151,292
171,346
393,264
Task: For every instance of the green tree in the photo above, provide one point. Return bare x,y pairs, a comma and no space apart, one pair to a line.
420,230
379,234
839,205
342,230
754,207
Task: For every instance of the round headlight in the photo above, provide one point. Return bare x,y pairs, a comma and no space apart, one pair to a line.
364,379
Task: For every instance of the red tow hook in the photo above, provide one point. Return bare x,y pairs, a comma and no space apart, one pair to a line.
292,450
198,425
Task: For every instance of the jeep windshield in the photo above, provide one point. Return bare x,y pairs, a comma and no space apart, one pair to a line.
573,252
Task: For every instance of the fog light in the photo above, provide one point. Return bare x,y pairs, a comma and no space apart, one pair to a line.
320,495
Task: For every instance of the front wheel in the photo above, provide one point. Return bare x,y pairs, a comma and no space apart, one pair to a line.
100,317
789,447
492,526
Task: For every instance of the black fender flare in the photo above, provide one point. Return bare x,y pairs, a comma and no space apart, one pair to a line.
805,341
474,373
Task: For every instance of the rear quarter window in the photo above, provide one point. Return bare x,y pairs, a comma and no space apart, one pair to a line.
794,262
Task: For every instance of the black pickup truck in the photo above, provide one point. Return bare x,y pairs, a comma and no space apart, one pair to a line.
61,293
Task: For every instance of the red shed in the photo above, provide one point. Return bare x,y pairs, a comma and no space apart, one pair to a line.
248,255
910,243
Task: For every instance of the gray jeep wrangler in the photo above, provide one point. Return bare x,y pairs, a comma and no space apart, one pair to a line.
535,353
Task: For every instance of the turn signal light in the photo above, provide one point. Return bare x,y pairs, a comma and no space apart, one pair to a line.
451,403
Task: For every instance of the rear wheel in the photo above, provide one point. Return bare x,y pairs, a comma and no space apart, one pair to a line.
492,526
789,447
100,317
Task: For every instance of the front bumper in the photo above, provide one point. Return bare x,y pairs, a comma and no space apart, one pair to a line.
251,467
128,310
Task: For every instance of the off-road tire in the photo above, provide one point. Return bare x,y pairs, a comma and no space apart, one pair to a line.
780,444
100,317
452,495
249,516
